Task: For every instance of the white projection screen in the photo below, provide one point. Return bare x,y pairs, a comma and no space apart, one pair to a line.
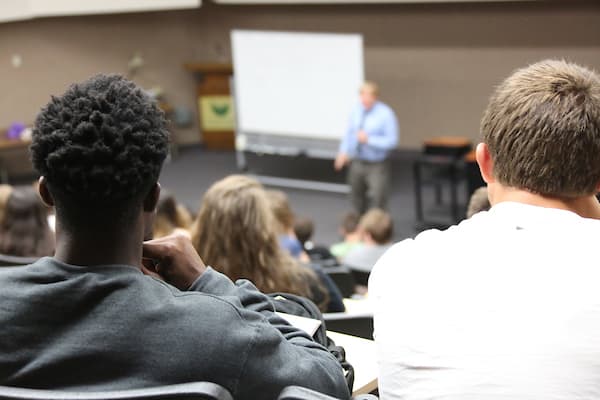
296,86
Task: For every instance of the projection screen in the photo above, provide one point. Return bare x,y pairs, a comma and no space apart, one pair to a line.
294,91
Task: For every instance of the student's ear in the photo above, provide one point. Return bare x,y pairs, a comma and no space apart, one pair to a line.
367,238
45,192
151,200
363,235
485,162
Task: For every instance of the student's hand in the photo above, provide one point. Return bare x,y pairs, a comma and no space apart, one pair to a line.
340,161
363,137
173,259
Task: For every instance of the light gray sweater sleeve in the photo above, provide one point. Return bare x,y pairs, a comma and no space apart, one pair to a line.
281,354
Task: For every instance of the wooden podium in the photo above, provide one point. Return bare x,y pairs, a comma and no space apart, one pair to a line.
215,105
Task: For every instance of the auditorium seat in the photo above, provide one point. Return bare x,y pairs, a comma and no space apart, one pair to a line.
360,277
189,391
343,278
360,325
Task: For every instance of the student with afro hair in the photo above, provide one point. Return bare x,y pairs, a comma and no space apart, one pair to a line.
110,311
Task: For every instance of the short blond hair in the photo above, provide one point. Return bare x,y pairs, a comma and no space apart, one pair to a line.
542,127
378,224
371,87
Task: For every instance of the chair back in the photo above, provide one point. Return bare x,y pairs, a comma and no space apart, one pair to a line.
343,279
187,391
361,277
13,261
360,325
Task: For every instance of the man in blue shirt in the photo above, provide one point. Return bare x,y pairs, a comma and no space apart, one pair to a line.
372,133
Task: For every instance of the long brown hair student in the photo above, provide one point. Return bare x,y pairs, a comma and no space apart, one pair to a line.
235,233
24,229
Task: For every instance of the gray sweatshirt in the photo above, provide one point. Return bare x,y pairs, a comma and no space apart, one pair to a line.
111,327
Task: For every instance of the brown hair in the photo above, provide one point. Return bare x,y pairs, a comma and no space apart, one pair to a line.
378,224
542,127
350,222
304,229
24,229
478,202
281,209
234,233
170,215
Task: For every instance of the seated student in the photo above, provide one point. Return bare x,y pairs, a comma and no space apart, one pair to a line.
304,229
94,317
24,229
235,233
478,202
284,219
5,191
506,304
170,216
349,232
284,223
376,228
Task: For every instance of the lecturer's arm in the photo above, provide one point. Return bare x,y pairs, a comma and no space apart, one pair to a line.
347,143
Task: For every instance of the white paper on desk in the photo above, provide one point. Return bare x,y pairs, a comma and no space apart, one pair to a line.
307,325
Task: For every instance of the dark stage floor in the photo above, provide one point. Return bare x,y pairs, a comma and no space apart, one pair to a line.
190,173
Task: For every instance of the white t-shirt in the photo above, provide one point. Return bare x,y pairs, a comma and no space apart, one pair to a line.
505,305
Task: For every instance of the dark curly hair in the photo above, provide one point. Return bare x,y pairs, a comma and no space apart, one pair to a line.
101,144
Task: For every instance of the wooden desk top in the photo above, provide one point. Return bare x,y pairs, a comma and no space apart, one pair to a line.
209,67
13,144
448,141
358,306
470,156
361,353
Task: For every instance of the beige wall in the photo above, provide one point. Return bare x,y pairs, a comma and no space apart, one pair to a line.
436,64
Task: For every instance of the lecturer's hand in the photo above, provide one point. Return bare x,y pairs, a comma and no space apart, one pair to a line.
173,259
340,161
363,137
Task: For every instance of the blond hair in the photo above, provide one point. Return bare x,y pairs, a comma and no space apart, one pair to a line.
542,127
234,233
378,224
371,87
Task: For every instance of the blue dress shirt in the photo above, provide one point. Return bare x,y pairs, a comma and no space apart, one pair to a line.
381,125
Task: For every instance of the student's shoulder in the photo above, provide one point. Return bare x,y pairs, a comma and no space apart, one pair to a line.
42,269
164,289
428,246
433,237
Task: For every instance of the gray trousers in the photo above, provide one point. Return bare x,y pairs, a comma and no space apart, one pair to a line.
369,184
